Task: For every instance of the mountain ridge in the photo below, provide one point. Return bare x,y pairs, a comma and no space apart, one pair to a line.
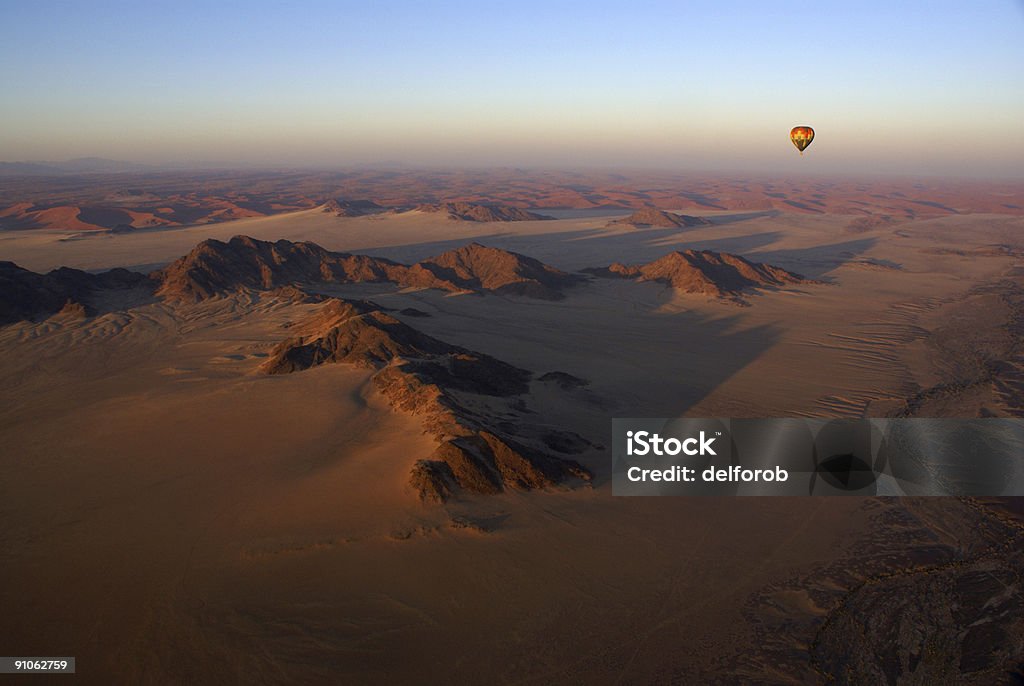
479,449
481,212
705,272
652,217
215,266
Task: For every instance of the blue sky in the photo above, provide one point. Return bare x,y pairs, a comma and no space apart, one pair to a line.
905,87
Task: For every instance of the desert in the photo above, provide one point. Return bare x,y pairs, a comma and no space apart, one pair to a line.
321,445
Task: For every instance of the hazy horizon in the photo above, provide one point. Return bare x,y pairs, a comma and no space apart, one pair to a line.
916,89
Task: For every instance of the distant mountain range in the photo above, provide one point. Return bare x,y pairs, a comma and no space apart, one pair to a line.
80,165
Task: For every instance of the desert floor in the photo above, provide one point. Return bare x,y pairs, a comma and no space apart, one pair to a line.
169,515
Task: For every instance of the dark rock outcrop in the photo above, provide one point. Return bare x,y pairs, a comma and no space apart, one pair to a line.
355,333
351,208
215,267
705,272
475,267
25,294
649,216
930,594
479,212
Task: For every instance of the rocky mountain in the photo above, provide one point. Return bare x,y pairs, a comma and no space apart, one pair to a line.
705,272
217,267
648,216
475,267
214,267
352,332
473,404
26,295
480,212
351,208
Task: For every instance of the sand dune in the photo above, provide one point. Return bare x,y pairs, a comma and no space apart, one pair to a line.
101,202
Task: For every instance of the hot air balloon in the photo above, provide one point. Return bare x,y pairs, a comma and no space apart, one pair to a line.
801,137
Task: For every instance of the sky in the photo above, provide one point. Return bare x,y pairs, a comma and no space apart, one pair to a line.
912,87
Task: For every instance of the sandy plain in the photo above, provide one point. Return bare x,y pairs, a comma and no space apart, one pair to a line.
172,516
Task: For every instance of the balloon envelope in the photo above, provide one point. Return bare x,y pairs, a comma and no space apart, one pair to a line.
801,137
